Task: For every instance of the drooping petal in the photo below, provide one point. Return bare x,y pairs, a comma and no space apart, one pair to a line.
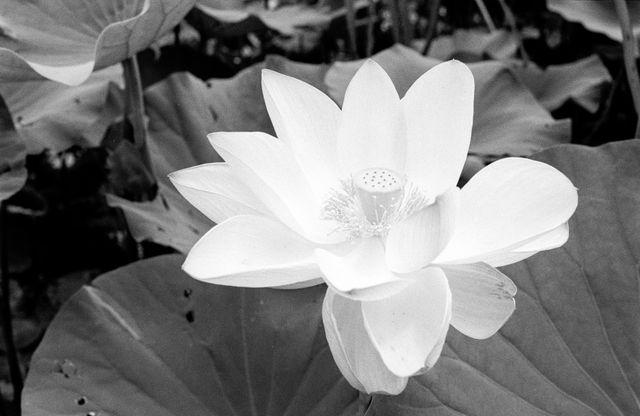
406,328
216,192
267,167
252,251
482,298
546,241
372,129
361,273
439,113
352,350
506,205
436,352
307,121
413,242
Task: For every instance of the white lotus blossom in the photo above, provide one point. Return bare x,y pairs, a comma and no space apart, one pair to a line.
364,198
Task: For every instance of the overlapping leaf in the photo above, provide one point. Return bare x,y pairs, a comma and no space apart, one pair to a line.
597,15
581,81
573,344
498,44
50,115
65,40
149,340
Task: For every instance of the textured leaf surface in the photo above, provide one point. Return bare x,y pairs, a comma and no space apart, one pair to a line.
581,81
507,117
51,115
65,40
148,340
597,15
573,345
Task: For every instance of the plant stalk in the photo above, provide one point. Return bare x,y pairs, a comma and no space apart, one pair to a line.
395,17
404,23
434,9
486,16
134,108
7,324
511,21
630,53
371,13
351,28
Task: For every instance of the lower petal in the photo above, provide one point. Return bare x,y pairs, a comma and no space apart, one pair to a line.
352,350
407,327
252,251
361,273
483,299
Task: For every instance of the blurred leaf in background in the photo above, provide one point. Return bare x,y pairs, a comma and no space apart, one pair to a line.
65,41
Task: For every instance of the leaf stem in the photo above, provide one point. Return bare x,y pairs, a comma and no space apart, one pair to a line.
630,53
371,13
404,23
511,21
395,17
486,16
351,28
134,108
7,324
434,8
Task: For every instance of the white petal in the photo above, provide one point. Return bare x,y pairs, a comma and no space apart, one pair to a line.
482,299
439,112
506,205
407,327
216,192
546,241
415,241
267,167
435,353
361,273
352,350
252,251
372,130
307,121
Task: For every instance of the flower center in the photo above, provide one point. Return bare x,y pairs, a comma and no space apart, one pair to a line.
369,202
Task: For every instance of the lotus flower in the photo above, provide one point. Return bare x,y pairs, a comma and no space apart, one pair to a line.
364,198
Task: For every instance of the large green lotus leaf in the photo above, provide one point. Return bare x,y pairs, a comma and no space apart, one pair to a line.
65,40
147,339
581,81
13,152
51,115
507,117
597,15
498,44
182,110
572,346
